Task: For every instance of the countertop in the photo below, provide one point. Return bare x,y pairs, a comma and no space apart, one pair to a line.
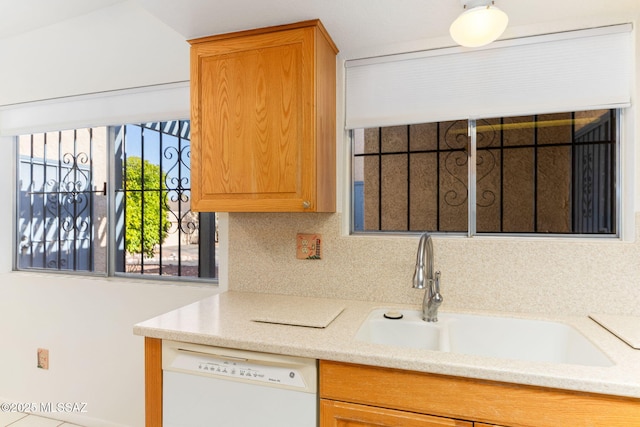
227,320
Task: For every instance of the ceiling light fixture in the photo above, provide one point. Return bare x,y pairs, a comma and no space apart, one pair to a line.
480,24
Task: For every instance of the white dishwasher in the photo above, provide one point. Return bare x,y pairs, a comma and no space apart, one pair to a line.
207,386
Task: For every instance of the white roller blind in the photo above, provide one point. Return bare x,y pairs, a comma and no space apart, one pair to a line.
570,71
151,103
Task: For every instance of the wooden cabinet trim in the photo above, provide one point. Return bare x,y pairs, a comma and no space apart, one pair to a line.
477,400
245,33
153,382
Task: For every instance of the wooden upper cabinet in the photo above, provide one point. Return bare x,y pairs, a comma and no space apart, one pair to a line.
263,117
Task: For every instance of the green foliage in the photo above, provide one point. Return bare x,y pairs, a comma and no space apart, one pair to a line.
151,204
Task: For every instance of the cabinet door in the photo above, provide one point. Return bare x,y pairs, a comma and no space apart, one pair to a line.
253,122
340,414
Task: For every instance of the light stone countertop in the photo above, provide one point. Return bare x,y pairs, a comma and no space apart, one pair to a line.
227,320
627,328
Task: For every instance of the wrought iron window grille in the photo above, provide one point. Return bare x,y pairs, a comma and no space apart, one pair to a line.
592,198
59,219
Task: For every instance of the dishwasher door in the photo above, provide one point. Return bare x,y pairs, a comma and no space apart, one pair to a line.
212,386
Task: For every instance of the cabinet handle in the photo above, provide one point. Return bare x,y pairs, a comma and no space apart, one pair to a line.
306,204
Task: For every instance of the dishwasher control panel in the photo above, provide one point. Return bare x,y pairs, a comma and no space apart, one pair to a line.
239,369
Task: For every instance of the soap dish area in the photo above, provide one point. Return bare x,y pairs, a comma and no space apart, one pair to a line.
627,328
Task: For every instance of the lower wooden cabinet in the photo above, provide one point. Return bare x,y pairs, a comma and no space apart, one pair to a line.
354,395
340,414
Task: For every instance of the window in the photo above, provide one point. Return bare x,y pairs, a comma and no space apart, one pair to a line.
539,174
70,219
421,165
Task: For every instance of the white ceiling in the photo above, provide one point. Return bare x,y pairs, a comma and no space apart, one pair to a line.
20,16
356,25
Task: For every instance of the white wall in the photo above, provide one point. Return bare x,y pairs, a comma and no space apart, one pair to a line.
87,326
118,47
86,323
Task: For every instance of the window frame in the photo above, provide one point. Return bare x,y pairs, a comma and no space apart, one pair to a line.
621,181
112,235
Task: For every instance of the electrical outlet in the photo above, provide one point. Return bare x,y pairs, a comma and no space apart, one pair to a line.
308,246
43,358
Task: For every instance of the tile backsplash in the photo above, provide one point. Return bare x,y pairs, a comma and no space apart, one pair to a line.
539,275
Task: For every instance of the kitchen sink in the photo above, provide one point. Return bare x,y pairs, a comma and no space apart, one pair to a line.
480,335
410,331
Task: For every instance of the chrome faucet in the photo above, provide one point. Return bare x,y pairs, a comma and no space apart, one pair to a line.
427,279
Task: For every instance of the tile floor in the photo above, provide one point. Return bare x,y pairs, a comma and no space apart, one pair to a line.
17,419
